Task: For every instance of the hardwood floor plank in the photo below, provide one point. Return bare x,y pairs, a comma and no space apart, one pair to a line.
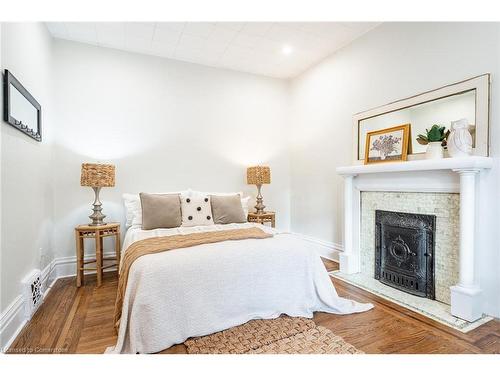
489,344
70,335
330,265
42,332
80,320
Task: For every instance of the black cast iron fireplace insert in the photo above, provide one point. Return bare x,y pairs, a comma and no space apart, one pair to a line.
404,251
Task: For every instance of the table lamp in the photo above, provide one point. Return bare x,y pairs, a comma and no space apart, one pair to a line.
97,176
259,175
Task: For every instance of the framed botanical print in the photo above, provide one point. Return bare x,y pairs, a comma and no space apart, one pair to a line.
387,145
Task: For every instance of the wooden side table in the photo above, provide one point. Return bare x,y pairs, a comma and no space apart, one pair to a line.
266,217
98,233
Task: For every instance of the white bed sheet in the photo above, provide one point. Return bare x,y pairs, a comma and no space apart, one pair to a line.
195,291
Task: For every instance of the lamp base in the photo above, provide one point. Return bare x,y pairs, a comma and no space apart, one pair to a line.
259,207
97,221
97,216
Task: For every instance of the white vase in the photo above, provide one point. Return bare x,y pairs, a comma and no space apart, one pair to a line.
459,141
434,150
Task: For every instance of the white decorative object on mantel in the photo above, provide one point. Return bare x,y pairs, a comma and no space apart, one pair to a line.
466,301
434,150
460,140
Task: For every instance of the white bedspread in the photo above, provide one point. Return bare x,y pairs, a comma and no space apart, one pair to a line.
199,290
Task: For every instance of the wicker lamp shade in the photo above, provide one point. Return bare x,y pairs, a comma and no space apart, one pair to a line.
258,175
97,175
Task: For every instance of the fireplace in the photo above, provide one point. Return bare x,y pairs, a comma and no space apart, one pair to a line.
404,251
425,187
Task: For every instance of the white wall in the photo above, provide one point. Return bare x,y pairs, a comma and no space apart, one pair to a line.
169,125
26,165
166,125
393,61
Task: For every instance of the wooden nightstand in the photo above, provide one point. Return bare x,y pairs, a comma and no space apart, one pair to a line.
266,217
97,233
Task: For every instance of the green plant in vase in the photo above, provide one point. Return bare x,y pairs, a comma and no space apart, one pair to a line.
435,139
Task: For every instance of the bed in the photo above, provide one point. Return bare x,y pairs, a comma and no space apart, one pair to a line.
194,291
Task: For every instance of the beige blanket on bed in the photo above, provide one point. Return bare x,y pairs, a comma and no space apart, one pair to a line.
159,244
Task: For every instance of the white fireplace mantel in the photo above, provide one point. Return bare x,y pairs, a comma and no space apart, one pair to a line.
465,296
472,162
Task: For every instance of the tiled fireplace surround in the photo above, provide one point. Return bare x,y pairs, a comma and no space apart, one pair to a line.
446,188
445,206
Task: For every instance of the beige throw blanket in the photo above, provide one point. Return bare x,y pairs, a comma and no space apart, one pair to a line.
159,244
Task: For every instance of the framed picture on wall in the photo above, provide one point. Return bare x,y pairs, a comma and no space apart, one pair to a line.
387,145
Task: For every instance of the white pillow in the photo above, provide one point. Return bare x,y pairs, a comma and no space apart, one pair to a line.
244,204
133,207
196,209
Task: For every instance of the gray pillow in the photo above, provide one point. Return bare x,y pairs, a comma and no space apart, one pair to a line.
160,211
227,209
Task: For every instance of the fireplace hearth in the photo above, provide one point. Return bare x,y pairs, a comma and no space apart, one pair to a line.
404,251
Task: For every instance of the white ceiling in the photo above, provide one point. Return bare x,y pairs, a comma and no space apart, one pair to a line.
254,47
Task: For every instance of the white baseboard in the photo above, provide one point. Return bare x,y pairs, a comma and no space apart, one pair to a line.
66,267
325,249
13,319
12,322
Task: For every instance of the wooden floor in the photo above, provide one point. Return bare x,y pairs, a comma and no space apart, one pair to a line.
80,320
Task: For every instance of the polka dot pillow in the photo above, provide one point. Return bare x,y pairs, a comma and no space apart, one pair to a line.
196,210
